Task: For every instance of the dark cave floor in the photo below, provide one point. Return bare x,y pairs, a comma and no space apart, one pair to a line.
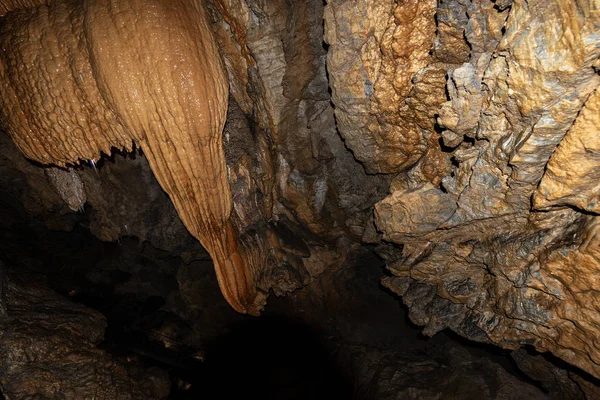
165,313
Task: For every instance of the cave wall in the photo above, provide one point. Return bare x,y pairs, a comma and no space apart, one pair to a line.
505,255
456,108
50,347
456,136
461,104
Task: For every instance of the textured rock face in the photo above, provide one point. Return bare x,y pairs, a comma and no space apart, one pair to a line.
504,251
277,67
47,349
477,119
570,384
314,197
570,177
454,375
376,48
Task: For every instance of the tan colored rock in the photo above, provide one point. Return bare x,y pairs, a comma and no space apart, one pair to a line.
294,169
376,48
573,173
9,5
497,270
473,254
317,189
461,114
413,212
450,45
86,77
231,33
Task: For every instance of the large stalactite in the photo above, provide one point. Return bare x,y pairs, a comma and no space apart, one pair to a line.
82,78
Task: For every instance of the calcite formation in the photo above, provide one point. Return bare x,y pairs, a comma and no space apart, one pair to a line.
81,78
315,198
375,50
508,255
278,74
457,136
571,174
9,5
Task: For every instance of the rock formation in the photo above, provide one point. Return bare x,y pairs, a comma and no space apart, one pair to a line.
512,236
457,137
48,348
82,78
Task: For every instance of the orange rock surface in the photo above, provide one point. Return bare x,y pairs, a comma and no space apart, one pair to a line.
81,78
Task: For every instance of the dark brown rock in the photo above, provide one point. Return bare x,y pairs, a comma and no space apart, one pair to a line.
48,349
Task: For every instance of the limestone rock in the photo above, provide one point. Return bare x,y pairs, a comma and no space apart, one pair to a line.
413,212
461,114
69,186
375,49
48,349
275,58
498,270
561,383
454,375
476,119
95,96
572,174
9,5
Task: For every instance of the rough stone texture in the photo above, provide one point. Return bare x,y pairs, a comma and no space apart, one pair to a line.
48,349
29,184
560,383
276,62
315,198
496,270
172,312
452,374
413,212
69,186
375,51
9,5
572,173
79,80
310,185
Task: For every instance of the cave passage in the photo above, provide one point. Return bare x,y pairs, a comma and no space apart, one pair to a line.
130,283
342,169
291,352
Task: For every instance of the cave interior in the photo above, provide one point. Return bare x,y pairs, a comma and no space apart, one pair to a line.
340,199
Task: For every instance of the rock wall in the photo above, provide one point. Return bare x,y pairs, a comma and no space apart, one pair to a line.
502,250
48,348
463,105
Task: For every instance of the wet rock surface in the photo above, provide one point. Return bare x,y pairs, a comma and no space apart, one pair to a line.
495,268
